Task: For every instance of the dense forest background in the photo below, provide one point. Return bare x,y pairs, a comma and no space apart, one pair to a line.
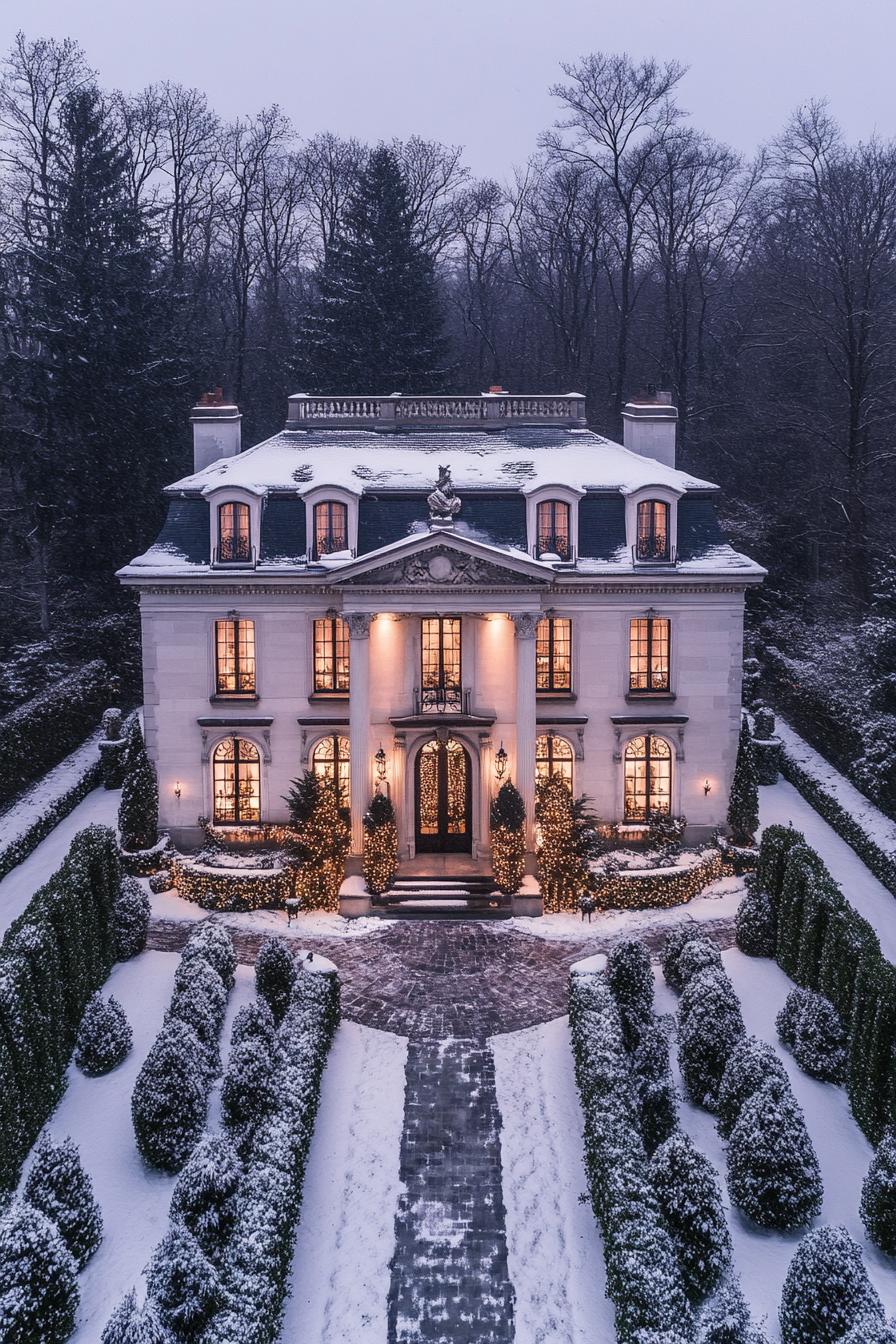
149,251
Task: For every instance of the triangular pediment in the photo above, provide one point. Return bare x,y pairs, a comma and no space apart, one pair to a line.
442,560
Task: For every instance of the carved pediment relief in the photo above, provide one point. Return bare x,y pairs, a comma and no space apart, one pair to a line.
441,567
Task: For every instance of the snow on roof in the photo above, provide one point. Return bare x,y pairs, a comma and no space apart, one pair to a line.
524,460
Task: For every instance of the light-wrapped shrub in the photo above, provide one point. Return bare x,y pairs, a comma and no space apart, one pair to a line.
104,1036
751,1065
38,1279
205,1196
809,1025
59,1186
827,1290
710,1026
754,924
380,862
507,816
773,1173
690,1197
169,1101
275,973
878,1206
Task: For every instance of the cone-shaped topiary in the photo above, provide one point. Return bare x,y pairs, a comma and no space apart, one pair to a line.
878,1206
710,1026
743,802
254,1019
205,1195
654,1085
726,1318
320,841
130,1324
275,973
169,1102
867,1330
132,912
773,1173
673,945
508,832
138,811
38,1279
104,1036
630,974
699,954
59,1186
691,1200
212,943
754,925
183,1284
827,1289
380,863
751,1064
199,999
809,1025
248,1091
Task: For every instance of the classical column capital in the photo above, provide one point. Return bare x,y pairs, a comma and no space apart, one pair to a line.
359,624
524,624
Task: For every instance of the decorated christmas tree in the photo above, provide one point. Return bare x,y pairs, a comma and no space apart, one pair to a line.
508,834
380,844
319,840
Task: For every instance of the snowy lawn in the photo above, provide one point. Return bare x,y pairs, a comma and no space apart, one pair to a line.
718,901
555,1254
780,804
315,923
762,1257
340,1274
17,888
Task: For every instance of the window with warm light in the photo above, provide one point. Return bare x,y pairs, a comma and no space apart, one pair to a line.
648,778
653,530
235,657
553,655
331,656
441,668
234,536
649,642
553,528
236,782
330,528
553,756
330,759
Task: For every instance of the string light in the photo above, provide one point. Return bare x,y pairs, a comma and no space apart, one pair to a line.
657,888
236,889
380,844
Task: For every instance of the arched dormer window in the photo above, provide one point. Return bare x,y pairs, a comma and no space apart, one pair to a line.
236,782
553,756
653,540
553,530
648,778
330,527
234,533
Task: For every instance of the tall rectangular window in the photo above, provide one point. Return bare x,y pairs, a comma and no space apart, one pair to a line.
653,530
235,657
553,528
234,535
331,656
553,654
330,528
649,654
440,672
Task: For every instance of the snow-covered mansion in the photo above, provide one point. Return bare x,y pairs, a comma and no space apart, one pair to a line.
432,593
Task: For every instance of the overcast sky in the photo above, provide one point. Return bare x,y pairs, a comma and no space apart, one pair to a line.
477,72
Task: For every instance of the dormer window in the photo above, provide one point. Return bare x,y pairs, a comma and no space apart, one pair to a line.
234,536
330,528
653,540
553,529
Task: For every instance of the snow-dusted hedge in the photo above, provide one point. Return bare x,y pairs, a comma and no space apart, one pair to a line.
644,1280
52,959
37,735
17,850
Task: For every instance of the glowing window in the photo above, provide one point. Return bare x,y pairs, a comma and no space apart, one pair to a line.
553,756
234,540
440,671
236,781
553,528
648,778
331,655
553,654
235,657
331,760
330,528
649,654
653,530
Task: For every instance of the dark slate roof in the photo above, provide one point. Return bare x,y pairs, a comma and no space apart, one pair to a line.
498,519
601,525
698,527
185,531
283,529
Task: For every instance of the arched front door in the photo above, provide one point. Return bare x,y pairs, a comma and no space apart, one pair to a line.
443,799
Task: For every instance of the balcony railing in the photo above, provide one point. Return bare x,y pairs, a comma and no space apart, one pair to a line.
442,699
650,555
228,557
489,411
550,545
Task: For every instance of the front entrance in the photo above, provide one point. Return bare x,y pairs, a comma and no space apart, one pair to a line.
443,799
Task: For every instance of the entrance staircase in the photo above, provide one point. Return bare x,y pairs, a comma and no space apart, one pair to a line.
445,897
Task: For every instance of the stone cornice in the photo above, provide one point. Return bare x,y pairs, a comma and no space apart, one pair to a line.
596,588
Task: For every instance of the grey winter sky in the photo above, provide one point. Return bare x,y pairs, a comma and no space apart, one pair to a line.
477,72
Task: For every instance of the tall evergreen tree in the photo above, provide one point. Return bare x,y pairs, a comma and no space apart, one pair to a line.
743,803
376,325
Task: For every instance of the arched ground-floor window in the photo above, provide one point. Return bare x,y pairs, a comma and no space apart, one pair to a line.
236,781
648,778
330,759
553,756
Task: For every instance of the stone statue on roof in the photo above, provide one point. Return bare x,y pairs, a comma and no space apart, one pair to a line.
444,503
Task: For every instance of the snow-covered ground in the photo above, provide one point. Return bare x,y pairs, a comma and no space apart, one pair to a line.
37,801
762,1257
17,888
340,1273
718,901
554,1251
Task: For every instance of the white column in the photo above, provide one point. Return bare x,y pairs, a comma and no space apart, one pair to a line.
359,721
524,773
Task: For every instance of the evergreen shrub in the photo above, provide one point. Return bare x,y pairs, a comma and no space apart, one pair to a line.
690,1197
205,1196
38,1281
132,912
380,862
275,973
104,1036
743,803
710,1026
59,1186
138,811
752,1063
808,1024
630,977
827,1290
319,841
726,1317
133,1324
508,835
673,946
773,1173
654,1085
183,1285
754,925
878,1205
700,954
169,1101
254,1020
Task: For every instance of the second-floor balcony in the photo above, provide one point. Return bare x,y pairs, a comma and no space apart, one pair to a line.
442,699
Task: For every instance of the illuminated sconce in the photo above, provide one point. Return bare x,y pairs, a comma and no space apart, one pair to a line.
500,762
707,787
177,789
380,758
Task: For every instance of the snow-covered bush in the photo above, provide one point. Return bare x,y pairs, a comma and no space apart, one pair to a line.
654,1085
710,1026
751,1064
691,1200
205,1196
59,1186
138,811
754,924
743,802
132,912
827,1289
878,1206
104,1037
776,844
248,1092
725,1319
199,999
275,973
130,1324
212,943
868,1330
183,1284
630,977
773,1173
38,1279
256,1020
700,954
161,881
673,945
802,888
808,1024
169,1102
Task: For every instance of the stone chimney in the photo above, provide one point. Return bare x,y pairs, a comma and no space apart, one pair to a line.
649,422
216,429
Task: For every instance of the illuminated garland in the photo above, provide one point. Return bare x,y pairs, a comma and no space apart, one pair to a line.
236,889
380,844
657,888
